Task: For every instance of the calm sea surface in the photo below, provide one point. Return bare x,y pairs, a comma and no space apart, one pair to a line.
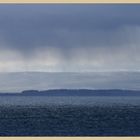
69,116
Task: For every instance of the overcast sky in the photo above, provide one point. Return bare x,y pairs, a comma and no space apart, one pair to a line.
65,38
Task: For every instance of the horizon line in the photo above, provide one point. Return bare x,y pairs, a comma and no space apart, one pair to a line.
69,71
66,89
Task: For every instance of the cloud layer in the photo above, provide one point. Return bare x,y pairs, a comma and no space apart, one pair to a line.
65,37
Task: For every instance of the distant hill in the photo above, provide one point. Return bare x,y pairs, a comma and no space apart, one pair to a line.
75,92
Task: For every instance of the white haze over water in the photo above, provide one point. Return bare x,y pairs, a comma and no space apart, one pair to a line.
19,81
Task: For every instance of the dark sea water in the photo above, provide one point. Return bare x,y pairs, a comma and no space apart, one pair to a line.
69,116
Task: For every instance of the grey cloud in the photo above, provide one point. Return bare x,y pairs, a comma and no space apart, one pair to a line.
29,26
87,37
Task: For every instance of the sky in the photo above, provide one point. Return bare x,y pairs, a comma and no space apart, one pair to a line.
69,46
69,37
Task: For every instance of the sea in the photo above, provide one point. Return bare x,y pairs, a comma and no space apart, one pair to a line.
69,115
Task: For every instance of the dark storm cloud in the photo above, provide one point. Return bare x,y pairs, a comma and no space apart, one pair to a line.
26,27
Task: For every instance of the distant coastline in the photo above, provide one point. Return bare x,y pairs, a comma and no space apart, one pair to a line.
75,92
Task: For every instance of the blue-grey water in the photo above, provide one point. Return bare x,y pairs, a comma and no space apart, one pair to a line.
69,116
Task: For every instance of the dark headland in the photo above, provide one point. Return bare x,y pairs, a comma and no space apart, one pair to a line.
75,92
